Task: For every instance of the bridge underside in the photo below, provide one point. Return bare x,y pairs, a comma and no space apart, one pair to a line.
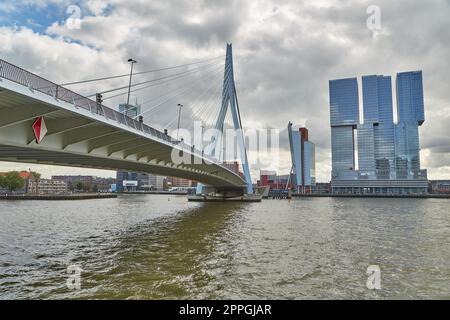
25,155
82,138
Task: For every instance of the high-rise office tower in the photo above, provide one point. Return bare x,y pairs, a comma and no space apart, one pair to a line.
344,116
410,113
376,147
303,154
388,153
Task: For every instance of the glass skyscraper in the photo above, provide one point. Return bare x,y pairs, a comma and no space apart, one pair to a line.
344,102
388,153
303,154
410,113
410,97
344,116
376,147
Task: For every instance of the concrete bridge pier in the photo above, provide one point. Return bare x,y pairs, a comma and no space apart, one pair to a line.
220,194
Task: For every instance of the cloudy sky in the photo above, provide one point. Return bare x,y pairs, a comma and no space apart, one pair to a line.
285,52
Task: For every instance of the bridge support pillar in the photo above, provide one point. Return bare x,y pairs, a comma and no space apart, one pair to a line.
221,194
230,101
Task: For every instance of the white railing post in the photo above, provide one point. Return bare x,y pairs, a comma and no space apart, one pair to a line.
73,102
27,80
103,111
89,105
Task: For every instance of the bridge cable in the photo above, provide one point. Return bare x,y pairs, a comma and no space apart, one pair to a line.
146,87
186,89
139,73
177,89
155,80
194,105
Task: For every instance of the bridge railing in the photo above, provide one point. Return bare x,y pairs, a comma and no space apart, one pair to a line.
36,83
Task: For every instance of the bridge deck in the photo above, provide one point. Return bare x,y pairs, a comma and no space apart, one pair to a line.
83,133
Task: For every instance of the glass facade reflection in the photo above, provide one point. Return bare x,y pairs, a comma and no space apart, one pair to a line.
344,117
378,159
366,150
386,151
410,97
411,115
344,102
342,150
303,154
310,163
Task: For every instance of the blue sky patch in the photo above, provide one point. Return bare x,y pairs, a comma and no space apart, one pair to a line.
39,18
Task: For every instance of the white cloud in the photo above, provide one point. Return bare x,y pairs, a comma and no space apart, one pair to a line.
7,7
97,7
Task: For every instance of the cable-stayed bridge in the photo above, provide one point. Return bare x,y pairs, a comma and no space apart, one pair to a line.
83,132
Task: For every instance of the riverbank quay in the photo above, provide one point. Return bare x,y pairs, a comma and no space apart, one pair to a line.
76,196
394,196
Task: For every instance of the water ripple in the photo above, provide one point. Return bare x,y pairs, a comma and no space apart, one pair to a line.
146,247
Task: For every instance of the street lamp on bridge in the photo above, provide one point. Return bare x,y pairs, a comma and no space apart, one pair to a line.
179,117
132,61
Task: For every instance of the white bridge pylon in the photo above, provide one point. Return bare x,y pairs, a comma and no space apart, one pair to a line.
229,99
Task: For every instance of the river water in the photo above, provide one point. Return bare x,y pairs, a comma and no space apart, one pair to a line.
160,247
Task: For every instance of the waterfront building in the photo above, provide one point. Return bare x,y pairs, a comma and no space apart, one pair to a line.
124,176
72,181
387,153
103,184
269,178
303,159
410,112
440,186
131,181
89,183
175,182
322,188
344,116
156,182
376,148
47,186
